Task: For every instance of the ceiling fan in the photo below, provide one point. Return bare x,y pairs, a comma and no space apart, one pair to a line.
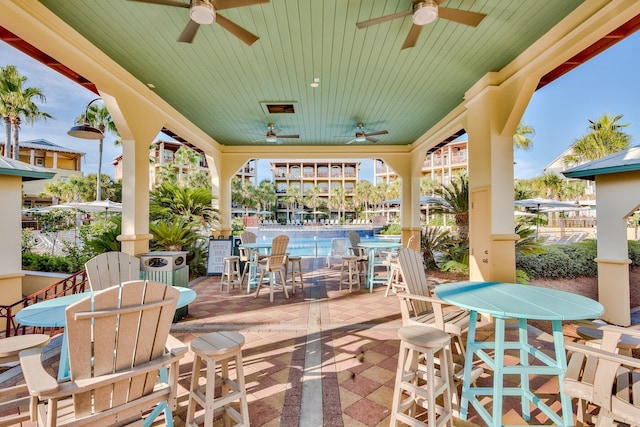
425,12
204,12
272,135
362,136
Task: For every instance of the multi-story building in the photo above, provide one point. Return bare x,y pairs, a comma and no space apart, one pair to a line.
440,164
560,164
64,162
163,153
302,175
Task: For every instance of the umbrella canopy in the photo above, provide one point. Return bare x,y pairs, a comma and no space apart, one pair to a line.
539,203
560,209
301,212
423,200
318,213
264,213
97,206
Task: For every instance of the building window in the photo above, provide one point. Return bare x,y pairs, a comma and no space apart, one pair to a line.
39,161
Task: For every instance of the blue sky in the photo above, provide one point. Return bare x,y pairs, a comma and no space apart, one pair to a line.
559,112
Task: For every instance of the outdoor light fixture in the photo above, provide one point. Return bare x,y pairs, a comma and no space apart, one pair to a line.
271,137
86,131
425,12
316,82
202,12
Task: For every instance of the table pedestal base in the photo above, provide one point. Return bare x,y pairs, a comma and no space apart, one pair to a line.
547,366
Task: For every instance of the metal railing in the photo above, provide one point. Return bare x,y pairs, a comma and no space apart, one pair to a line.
76,283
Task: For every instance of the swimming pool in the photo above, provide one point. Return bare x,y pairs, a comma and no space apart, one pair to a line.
314,244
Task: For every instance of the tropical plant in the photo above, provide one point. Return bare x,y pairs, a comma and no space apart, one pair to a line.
17,106
521,140
456,258
435,240
174,235
338,200
604,137
364,191
170,201
100,118
456,202
102,235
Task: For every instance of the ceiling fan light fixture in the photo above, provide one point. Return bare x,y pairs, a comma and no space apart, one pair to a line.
425,12
271,137
360,137
202,12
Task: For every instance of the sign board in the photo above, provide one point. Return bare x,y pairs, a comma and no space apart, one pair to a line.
218,249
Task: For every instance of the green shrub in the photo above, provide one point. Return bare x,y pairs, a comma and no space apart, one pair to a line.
391,229
51,263
576,259
634,252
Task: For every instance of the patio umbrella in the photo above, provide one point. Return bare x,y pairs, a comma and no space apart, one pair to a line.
97,206
264,213
315,215
536,204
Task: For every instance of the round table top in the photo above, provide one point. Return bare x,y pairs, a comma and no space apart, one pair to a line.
51,312
257,245
12,346
380,245
511,300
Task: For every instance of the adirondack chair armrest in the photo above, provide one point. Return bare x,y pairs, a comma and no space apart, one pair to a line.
627,361
175,347
38,380
433,300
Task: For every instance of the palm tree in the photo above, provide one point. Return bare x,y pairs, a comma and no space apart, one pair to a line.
17,106
456,202
364,191
338,200
266,194
100,118
312,200
520,139
170,202
605,137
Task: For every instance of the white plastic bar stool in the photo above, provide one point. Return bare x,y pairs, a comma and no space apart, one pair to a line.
421,385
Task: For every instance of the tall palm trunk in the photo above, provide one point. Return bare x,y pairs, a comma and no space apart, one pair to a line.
7,136
15,128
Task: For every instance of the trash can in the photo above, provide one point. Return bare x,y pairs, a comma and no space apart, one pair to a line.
169,267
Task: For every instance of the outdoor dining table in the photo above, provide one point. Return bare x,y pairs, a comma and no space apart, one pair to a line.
374,260
252,279
522,302
51,313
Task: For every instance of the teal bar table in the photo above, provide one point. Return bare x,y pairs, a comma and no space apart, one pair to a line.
522,302
374,247
252,280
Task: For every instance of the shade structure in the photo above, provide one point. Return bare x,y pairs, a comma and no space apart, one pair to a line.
540,203
423,200
264,213
97,206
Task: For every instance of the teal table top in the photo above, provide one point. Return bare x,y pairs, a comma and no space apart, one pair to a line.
510,300
380,245
50,313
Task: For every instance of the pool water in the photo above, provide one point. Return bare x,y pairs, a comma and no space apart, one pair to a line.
314,246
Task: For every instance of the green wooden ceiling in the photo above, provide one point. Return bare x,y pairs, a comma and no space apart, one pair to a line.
221,84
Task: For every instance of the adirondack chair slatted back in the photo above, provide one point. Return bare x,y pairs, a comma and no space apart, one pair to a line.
278,256
248,237
111,269
126,327
413,275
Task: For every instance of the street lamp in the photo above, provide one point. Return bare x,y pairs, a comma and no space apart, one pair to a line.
86,131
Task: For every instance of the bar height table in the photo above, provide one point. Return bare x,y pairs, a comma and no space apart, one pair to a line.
374,247
522,302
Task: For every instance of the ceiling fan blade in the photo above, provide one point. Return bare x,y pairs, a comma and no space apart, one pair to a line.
164,3
288,136
382,19
412,37
229,4
353,140
189,32
236,30
378,132
464,17
368,138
